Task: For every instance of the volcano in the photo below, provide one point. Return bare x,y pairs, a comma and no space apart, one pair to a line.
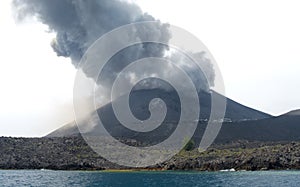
139,103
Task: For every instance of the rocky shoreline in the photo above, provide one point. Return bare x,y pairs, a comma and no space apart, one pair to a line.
72,153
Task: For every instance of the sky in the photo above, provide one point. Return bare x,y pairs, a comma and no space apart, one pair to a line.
255,43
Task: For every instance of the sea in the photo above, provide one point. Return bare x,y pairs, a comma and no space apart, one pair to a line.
147,178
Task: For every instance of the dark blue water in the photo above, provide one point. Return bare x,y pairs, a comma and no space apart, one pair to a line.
88,178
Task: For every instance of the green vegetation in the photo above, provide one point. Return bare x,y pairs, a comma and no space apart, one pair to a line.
190,145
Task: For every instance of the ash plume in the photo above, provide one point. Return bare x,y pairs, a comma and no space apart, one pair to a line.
79,23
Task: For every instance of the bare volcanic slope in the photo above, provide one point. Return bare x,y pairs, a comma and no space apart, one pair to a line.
281,128
140,99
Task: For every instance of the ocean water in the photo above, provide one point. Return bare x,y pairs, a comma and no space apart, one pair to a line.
100,178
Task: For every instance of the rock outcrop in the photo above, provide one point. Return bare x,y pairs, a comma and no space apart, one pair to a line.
73,153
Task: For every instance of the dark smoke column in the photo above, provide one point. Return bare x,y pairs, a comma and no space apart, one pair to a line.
79,23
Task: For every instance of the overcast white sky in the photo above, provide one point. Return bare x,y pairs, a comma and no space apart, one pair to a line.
255,43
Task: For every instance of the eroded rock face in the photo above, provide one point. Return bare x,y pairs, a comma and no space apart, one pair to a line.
240,156
72,153
49,153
